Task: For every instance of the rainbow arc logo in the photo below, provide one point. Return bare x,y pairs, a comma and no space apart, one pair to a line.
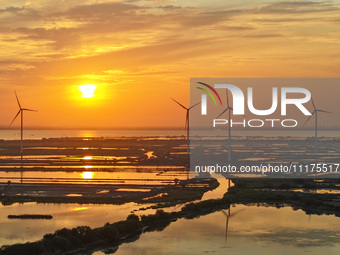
204,96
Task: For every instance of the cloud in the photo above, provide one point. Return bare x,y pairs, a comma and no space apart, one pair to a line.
52,45
58,37
19,12
12,10
111,23
99,12
264,35
159,53
117,20
147,34
293,7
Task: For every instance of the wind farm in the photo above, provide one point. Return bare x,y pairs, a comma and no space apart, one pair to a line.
134,174
124,155
146,179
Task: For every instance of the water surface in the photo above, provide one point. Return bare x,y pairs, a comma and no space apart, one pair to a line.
251,230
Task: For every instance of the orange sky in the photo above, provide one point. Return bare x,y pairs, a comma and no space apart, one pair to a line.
141,53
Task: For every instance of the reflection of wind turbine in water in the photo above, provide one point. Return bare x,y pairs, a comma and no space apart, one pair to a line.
226,225
187,121
229,130
228,215
316,125
21,111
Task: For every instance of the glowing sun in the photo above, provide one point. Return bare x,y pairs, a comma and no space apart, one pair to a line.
87,90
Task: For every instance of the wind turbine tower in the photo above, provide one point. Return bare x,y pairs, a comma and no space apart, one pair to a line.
229,109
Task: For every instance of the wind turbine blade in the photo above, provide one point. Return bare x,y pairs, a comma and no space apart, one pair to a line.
223,112
308,119
225,214
313,104
25,109
194,105
236,212
17,99
180,104
15,117
323,111
232,109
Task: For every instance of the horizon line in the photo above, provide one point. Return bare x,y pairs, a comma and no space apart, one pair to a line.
332,128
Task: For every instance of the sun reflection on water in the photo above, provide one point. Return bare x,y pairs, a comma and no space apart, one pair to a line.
80,208
87,175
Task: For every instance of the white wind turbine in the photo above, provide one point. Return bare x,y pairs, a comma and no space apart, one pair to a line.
315,112
187,121
21,111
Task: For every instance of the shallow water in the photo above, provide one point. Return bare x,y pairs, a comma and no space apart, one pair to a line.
251,230
70,216
92,175
39,134
64,216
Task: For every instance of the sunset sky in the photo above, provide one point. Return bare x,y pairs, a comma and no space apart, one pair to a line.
139,54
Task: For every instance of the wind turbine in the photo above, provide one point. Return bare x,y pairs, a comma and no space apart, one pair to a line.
229,129
316,125
21,111
187,121
227,224
228,216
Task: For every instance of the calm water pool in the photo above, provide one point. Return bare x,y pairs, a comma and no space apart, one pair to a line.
251,230
70,216
64,215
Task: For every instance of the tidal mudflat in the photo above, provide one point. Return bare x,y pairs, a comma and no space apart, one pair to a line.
94,181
